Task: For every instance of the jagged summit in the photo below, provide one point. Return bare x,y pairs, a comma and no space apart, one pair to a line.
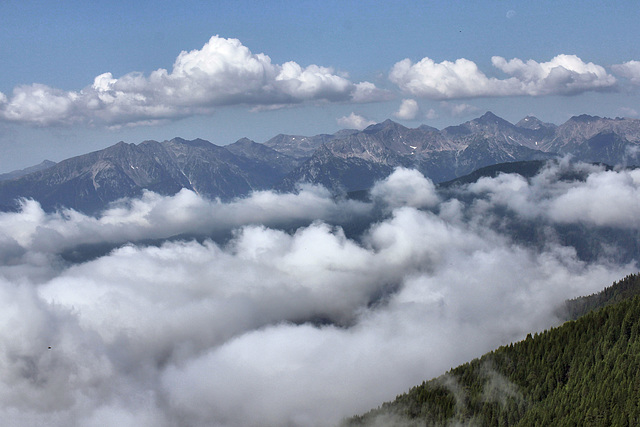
387,124
489,117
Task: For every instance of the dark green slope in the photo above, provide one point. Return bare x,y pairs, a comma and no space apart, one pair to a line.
619,291
585,372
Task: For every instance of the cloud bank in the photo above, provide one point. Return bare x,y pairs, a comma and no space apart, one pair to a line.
604,199
280,325
562,75
223,72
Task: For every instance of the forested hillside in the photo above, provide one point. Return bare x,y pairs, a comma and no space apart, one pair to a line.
621,290
585,372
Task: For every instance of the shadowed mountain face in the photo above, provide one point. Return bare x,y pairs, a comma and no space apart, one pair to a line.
348,160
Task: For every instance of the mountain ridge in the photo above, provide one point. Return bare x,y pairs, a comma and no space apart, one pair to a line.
348,160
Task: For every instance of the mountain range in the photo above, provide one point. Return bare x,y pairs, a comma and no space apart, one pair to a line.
348,160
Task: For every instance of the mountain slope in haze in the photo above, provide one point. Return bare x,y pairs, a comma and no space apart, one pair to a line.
585,372
578,129
22,172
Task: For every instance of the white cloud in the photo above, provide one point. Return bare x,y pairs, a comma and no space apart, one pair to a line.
444,80
563,75
593,201
299,327
223,72
550,197
40,105
408,110
368,92
153,216
629,70
459,109
354,121
406,187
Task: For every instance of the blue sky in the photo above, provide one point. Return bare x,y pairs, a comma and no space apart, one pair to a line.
257,69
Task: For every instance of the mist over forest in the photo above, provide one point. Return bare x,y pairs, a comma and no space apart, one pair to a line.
297,308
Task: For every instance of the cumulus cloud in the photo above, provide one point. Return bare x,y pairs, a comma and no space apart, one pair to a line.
408,110
354,121
368,92
563,75
405,187
39,104
629,70
222,72
607,198
276,325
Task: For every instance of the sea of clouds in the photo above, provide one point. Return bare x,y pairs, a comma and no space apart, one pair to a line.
288,309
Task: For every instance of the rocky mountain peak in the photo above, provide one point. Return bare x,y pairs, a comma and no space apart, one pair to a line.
489,118
530,122
584,118
534,123
386,125
244,141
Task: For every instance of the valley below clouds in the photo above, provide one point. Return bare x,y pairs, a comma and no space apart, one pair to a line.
295,309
